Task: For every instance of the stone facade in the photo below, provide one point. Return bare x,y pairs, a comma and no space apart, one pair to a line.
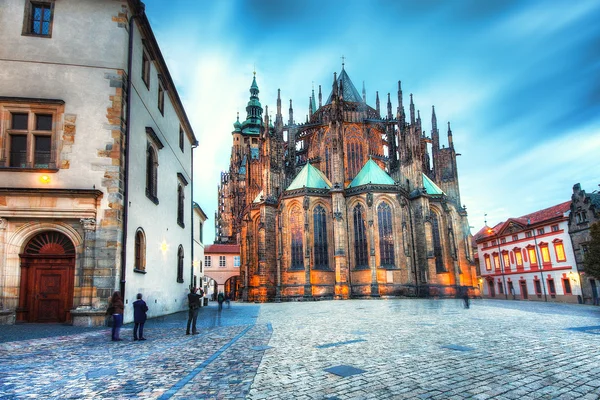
76,108
585,211
340,233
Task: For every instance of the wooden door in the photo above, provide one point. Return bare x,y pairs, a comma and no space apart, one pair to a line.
47,279
50,295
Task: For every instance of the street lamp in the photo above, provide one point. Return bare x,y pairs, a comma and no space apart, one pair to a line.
540,262
491,231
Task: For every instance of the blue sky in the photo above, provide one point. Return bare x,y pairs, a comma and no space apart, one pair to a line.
519,82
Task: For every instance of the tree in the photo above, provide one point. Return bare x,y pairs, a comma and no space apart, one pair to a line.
592,258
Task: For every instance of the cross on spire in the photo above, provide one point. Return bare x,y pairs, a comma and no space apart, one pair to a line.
343,61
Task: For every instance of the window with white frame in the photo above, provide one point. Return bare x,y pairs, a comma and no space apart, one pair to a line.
207,261
236,261
222,262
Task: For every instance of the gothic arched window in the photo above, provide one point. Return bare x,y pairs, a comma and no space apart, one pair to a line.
355,158
180,264
140,250
151,174
320,238
386,235
297,256
361,255
328,162
437,244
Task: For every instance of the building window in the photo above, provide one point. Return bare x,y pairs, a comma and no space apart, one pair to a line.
500,288
386,235
580,217
180,264
321,256
518,258
222,261
297,256
180,205
567,285
437,244
361,255
236,261
207,261
506,259
515,238
538,287
559,250
161,99
355,158
146,68
532,256
554,228
545,254
38,18
485,245
494,242
496,261
181,138
151,174
502,240
29,137
528,234
551,287
488,263
140,251
540,231
200,228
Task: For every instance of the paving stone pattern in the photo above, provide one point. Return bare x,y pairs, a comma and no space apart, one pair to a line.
359,349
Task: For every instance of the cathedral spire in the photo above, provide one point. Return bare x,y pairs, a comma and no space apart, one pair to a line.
433,120
377,104
364,93
412,110
279,116
320,96
389,108
310,107
450,143
291,114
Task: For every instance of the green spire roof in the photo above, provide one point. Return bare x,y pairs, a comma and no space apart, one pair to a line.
371,173
430,186
310,177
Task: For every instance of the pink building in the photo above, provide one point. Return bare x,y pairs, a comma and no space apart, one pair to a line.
222,269
530,257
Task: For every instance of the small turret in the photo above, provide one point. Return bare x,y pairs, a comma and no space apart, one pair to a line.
377,104
450,143
291,114
412,110
364,93
310,108
320,96
389,108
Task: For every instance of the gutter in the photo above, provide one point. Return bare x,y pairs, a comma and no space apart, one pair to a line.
194,145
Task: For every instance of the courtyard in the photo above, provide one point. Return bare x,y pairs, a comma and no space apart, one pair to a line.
357,349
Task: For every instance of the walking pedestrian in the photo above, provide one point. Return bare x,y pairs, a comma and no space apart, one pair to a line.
139,317
220,299
465,296
116,307
194,306
228,299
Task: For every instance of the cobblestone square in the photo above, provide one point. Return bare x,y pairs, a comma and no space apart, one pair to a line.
379,349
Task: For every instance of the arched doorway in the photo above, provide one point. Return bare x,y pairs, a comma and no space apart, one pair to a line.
47,278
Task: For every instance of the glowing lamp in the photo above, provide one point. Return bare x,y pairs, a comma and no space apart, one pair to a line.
45,179
164,246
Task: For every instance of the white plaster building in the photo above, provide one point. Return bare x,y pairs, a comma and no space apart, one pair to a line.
530,257
198,270
95,164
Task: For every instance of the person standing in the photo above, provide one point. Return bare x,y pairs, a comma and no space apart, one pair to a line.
220,300
139,317
116,302
194,306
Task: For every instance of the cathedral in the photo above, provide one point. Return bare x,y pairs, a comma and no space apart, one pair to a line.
349,204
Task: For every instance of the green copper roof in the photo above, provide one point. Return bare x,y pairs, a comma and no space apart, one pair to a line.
254,85
430,186
310,177
371,173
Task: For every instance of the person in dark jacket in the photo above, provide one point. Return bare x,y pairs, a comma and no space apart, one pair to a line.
139,317
194,307
220,300
116,302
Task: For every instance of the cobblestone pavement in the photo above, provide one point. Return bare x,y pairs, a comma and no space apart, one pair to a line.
359,349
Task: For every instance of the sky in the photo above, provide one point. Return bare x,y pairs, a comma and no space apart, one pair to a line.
519,82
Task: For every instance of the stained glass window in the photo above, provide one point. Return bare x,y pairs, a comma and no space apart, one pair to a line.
320,238
386,235
297,237
437,245
361,255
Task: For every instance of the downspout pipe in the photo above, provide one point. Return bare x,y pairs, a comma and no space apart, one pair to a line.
137,11
194,145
